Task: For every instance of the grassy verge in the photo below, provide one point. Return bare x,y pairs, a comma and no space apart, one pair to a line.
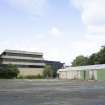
31,77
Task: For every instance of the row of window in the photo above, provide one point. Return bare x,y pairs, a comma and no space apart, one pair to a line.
22,60
29,66
23,55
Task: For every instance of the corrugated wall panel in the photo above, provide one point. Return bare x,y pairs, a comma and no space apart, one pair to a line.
101,75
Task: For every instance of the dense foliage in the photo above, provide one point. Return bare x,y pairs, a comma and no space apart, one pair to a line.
80,60
95,58
48,71
8,71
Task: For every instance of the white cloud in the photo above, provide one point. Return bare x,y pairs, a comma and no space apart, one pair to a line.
55,32
34,7
93,16
92,13
96,29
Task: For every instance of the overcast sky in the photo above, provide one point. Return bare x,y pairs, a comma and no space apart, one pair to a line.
61,29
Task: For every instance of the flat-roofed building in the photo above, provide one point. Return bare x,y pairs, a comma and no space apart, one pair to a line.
89,72
28,63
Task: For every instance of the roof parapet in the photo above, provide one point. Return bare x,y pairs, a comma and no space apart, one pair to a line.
23,52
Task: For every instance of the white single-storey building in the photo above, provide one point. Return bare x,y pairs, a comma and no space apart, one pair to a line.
90,72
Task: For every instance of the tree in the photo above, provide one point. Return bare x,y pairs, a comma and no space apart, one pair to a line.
101,55
97,58
48,72
80,61
93,59
8,71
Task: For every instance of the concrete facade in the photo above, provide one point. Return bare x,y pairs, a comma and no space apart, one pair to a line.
28,63
79,75
69,75
30,71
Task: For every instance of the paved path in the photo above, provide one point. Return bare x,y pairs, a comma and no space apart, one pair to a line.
51,92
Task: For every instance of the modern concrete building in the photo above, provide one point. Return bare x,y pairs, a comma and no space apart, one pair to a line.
91,72
28,63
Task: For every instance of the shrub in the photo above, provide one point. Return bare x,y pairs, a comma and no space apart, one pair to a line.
8,71
48,72
31,77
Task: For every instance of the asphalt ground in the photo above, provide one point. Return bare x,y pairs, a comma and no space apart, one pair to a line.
52,92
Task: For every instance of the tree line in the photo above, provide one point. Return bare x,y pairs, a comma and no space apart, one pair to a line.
95,58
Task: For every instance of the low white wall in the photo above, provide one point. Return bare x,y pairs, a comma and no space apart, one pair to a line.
69,75
93,74
30,71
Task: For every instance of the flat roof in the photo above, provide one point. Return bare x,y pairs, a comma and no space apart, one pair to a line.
23,52
49,61
80,68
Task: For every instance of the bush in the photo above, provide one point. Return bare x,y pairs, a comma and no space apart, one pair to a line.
8,71
31,77
48,72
